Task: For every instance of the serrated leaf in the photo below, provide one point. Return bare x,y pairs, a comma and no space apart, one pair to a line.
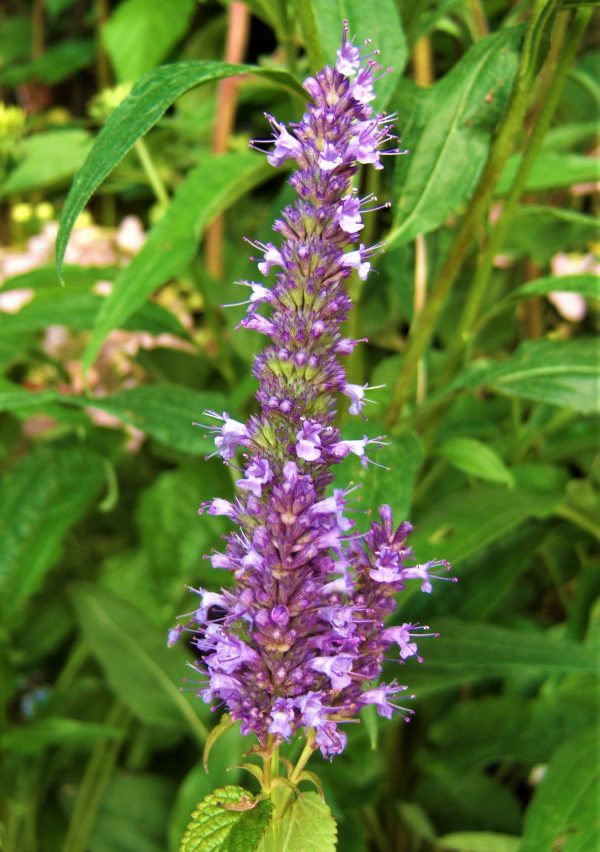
555,372
151,96
40,499
449,133
384,30
142,672
308,826
217,825
564,811
215,183
476,459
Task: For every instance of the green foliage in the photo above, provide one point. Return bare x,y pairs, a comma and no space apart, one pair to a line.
448,134
489,413
308,826
565,806
228,820
136,662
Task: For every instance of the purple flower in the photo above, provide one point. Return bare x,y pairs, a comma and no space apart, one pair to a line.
308,442
282,718
257,474
380,697
298,641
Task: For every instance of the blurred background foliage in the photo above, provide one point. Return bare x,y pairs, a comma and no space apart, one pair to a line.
489,404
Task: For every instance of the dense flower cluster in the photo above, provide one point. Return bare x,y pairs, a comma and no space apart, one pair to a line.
299,642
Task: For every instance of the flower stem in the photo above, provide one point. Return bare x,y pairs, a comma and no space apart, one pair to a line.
425,324
154,179
559,64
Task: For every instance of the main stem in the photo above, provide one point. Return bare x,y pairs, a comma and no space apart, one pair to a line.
424,325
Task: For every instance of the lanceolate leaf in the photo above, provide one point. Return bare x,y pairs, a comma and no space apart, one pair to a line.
139,35
147,102
563,373
468,522
40,500
141,670
587,285
213,185
78,308
564,811
448,136
498,650
165,412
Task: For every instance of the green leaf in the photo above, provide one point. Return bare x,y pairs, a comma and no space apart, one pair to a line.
550,170
133,814
476,459
384,29
78,309
34,737
497,650
58,62
139,35
150,97
41,498
214,184
15,398
555,372
455,799
564,812
540,232
215,827
165,412
139,667
476,841
492,728
45,276
587,285
392,483
226,756
448,136
49,159
308,826
468,522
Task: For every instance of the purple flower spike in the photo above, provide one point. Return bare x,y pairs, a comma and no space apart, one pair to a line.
298,642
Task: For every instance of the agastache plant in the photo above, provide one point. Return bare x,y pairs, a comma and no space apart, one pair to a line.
298,643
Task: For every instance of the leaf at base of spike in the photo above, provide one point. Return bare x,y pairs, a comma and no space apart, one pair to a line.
225,723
